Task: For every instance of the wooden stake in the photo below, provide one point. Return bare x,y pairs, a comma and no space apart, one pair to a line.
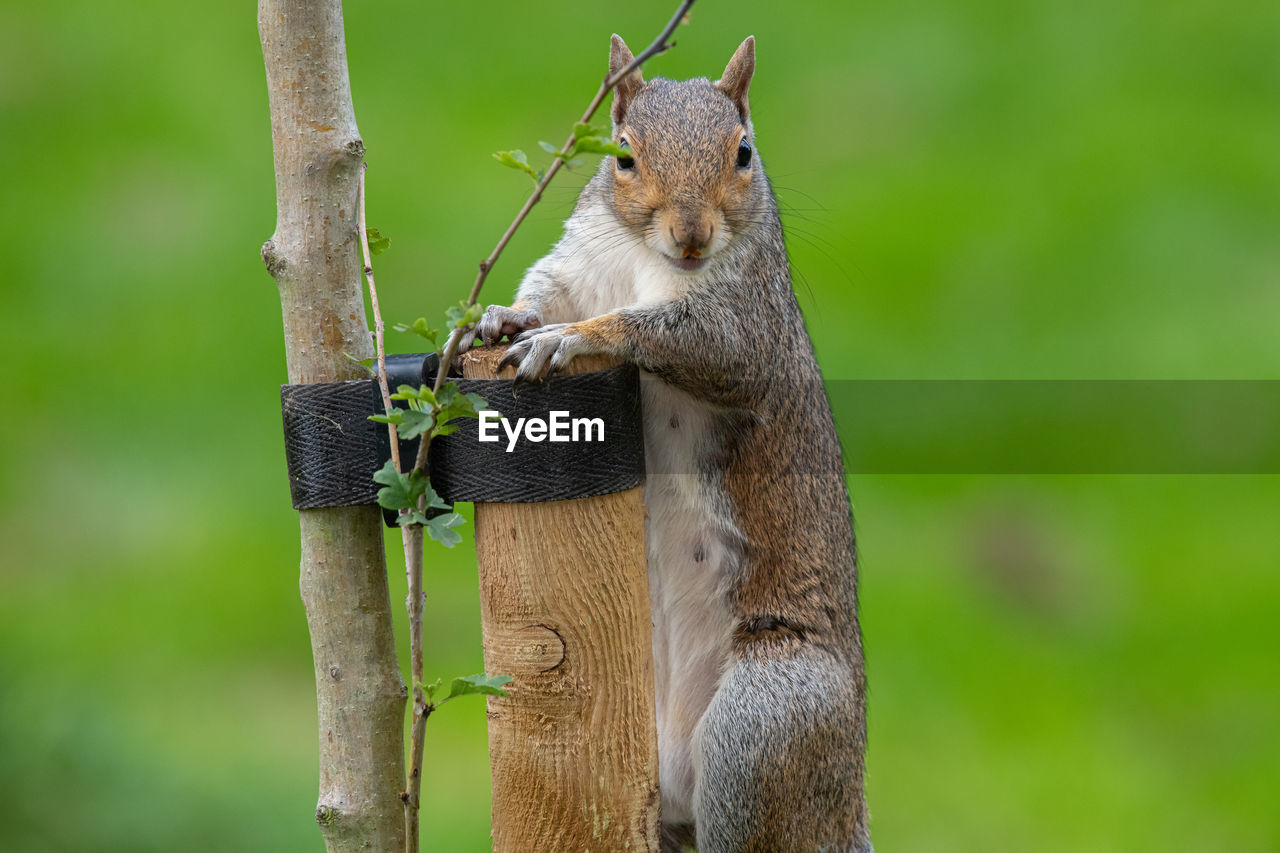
564,590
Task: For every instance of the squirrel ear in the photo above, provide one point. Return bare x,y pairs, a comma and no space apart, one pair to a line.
737,75
619,58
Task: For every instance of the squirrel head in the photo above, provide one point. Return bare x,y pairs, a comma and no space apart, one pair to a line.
693,183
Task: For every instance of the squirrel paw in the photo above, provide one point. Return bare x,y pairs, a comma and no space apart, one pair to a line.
499,321
538,353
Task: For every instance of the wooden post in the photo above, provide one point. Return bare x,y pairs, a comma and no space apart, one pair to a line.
315,259
564,596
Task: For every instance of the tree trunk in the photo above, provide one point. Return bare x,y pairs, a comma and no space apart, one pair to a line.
314,258
564,599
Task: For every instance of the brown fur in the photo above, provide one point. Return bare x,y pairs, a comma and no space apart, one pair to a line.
783,739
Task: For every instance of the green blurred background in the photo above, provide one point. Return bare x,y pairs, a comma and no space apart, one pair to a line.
991,189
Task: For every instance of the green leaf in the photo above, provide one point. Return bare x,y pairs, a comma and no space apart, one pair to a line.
400,491
574,163
485,685
517,160
434,501
453,404
598,145
462,315
582,129
420,328
453,414
377,243
415,423
441,529
421,395
395,491
415,516
461,409
396,416
366,363
448,393
548,147
387,474
430,690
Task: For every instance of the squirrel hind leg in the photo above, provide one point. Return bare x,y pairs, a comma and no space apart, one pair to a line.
780,757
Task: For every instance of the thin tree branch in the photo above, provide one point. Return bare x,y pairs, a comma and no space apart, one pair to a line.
412,539
659,45
379,327
413,542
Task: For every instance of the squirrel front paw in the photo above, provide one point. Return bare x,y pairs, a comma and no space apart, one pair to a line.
538,353
499,321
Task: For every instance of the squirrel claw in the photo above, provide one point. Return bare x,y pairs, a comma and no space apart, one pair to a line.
466,342
542,352
512,357
499,321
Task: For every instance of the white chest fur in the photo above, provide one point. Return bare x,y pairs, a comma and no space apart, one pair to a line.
690,563
599,267
605,267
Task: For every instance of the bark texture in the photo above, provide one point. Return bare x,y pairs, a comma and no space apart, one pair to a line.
564,591
314,258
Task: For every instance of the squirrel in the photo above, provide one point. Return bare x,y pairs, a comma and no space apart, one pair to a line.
674,259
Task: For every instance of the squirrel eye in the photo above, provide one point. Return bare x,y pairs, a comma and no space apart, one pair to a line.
744,154
626,164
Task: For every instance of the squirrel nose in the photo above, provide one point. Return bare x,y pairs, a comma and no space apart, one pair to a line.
692,239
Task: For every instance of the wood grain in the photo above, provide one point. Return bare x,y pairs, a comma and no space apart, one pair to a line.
564,593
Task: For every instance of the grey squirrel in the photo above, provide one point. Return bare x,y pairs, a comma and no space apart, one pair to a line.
674,259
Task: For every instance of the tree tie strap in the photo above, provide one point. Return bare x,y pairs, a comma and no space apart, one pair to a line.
590,441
